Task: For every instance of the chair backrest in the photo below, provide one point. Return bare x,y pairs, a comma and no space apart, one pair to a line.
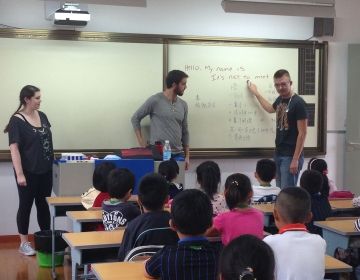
142,251
156,236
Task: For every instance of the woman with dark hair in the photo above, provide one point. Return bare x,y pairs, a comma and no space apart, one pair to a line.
31,149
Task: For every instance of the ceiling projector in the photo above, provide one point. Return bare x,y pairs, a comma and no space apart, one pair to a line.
70,14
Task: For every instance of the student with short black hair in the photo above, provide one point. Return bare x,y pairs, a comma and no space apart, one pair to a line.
152,227
194,256
117,211
312,182
298,254
242,218
170,170
99,188
247,257
208,176
265,173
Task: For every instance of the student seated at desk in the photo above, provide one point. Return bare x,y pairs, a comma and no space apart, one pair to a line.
318,164
264,174
117,211
152,227
247,257
298,254
99,188
208,176
242,218
193,257
312,182
170,170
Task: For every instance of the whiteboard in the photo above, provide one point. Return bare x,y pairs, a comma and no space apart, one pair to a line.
89,89
222,112
92,83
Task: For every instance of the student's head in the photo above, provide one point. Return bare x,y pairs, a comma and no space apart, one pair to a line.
191,212
175,77
244,255
29,96
293,205
318,164
265,170
311,180
169,169
238,190
153,192
100,175
208,176
120,183
321,166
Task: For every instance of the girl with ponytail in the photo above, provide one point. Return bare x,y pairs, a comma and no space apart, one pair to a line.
242,218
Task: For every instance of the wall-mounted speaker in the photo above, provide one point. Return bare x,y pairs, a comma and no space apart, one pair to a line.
323,27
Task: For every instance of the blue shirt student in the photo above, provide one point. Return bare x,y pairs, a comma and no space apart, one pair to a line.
190,258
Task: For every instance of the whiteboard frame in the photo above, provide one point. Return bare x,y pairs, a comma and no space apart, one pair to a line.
73,35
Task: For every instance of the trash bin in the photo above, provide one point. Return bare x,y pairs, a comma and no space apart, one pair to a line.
43,242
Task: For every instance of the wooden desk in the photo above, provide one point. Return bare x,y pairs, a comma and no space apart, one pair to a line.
58,206
74,200
337,233
78,218
267,209
333,265
89,247
341,205
134,270
119,271
71,206
338,205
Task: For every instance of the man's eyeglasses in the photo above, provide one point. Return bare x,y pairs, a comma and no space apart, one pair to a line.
279,85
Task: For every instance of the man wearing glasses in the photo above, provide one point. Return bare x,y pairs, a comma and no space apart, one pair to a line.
291,125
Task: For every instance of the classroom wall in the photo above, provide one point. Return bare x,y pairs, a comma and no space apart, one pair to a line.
204,18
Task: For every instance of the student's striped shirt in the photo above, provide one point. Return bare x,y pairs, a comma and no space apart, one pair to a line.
191,258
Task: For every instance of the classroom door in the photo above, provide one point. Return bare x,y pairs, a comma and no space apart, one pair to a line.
352,137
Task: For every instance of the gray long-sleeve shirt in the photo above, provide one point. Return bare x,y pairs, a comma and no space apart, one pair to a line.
168,120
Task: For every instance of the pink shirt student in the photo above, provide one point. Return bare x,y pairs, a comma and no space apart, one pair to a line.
238,222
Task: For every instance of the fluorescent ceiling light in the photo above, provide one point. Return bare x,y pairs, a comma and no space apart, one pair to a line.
309,8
